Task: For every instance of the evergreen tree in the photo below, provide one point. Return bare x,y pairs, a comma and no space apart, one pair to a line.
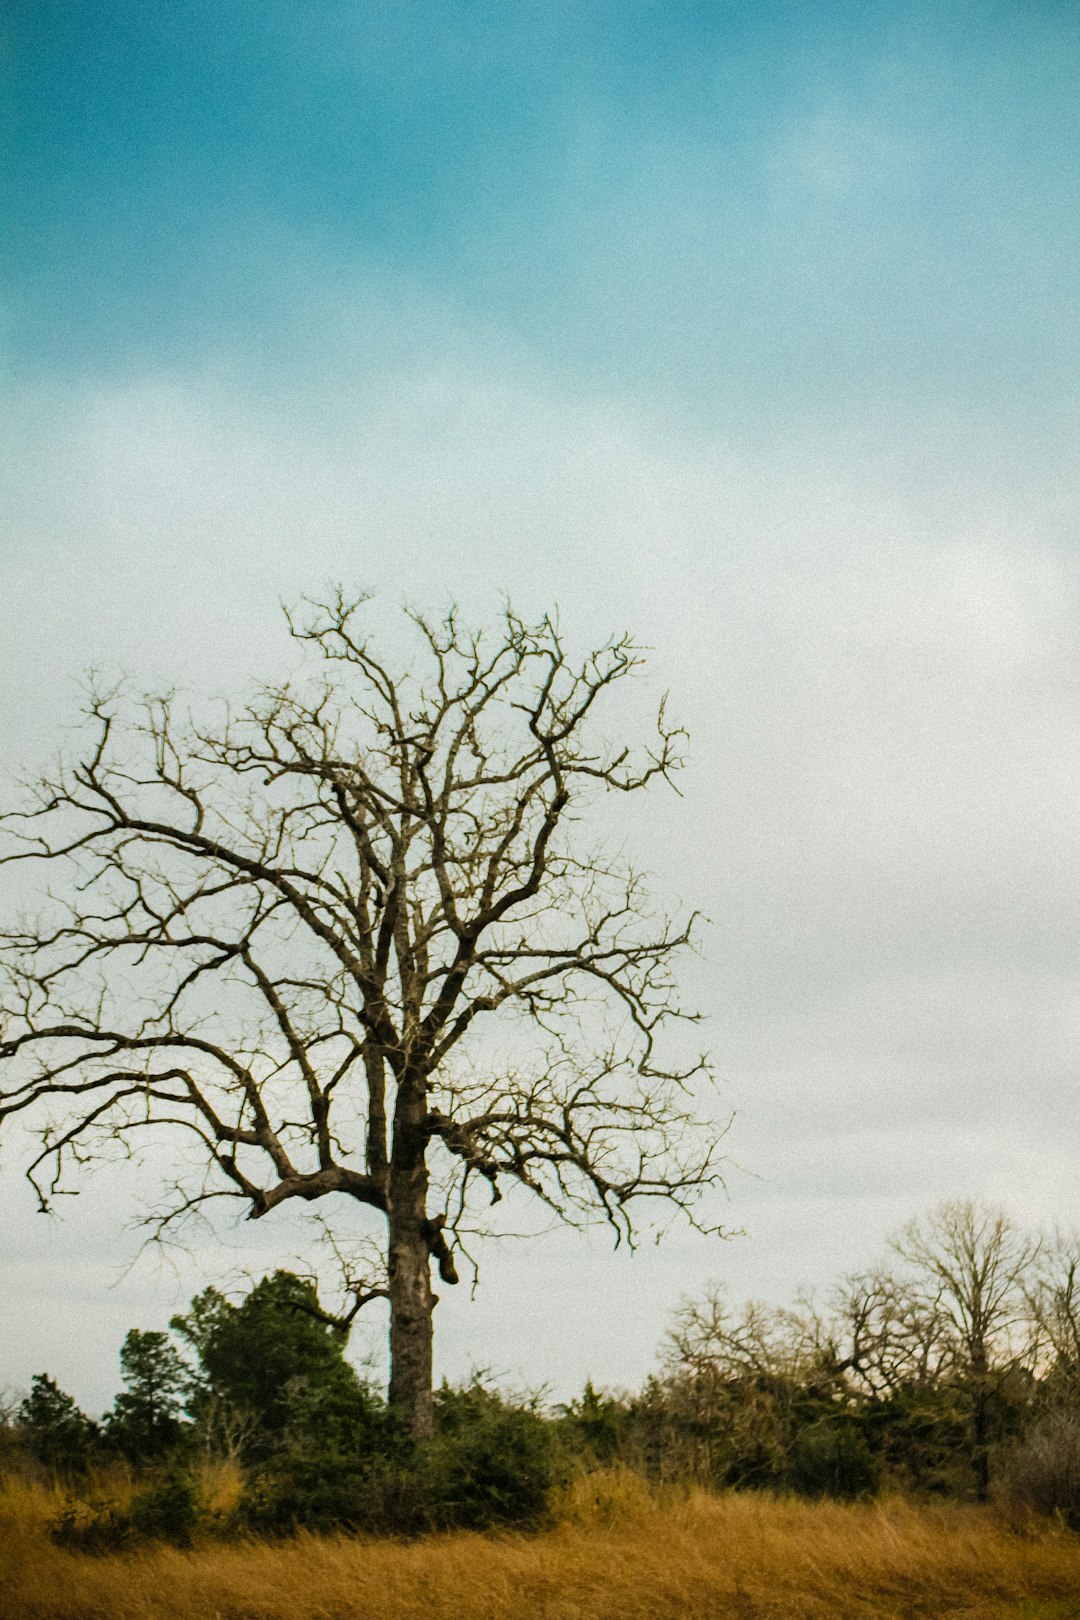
276,1366
145,1421
53,1429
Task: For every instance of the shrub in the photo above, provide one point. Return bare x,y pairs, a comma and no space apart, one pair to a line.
282,1497
492,1462
831,1458
332,1464
167,1507
1042,1472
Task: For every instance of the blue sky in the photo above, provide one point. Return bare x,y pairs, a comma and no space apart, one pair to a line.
753,327
736,206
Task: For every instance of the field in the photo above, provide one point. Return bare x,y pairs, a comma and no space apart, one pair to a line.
614,1553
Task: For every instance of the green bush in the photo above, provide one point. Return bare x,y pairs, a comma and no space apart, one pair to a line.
165,1508
331,1465
492,1462
831,1458
284,1496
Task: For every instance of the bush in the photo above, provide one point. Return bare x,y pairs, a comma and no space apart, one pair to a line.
1041,1474
831,1458
492,1462
166,1508
282,1497
331,1466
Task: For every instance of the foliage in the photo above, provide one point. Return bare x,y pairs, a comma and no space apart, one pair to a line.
277,1365
899,1383
167,1506
594,1428
491,1463
832,1458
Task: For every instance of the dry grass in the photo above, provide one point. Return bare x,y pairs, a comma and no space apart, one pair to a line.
617,1553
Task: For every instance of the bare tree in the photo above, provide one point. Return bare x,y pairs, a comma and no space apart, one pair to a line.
314,935
897,1334
1053,1298
970,1263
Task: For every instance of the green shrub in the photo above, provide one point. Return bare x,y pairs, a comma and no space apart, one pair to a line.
282,1497
492,1462
333,1464
166,1507
831,1458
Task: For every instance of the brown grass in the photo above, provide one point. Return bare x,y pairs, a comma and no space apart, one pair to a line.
616,1553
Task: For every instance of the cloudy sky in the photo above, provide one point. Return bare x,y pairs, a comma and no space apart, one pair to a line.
750,327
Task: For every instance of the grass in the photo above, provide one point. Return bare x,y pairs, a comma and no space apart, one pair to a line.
615,1552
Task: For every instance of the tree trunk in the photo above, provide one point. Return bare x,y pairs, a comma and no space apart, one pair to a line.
981,1430
412,1300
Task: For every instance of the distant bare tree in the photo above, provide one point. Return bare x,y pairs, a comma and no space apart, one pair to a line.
1053,1297
969,1263
896,1335
285,933
733,1378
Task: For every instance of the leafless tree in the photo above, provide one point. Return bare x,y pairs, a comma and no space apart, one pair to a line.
970,1263
734,1378
896,1334
1053,1298
349,940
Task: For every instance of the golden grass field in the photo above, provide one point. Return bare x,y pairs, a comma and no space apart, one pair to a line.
614,1553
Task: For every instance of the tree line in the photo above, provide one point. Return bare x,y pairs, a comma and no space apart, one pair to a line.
951,1369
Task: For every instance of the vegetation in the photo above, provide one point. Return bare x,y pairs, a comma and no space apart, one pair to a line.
949,1373
286,934
815,1461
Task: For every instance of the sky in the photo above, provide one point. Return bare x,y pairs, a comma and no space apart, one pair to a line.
751,328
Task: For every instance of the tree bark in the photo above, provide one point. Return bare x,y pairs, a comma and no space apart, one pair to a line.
412,1299
981,1433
